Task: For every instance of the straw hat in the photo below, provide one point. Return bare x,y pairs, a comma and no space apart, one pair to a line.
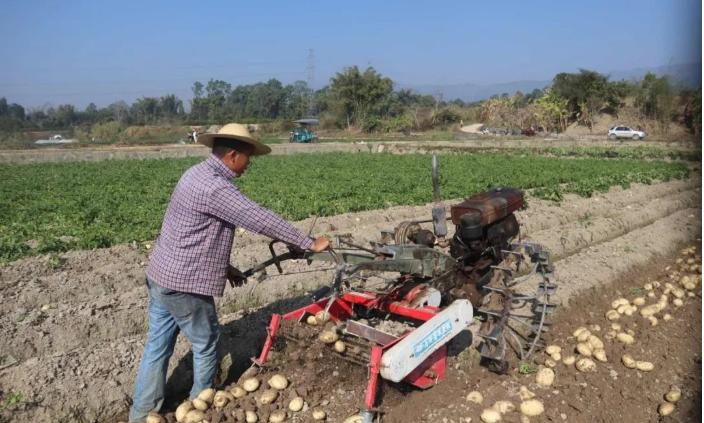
235,131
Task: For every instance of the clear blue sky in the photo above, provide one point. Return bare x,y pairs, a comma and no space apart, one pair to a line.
81,51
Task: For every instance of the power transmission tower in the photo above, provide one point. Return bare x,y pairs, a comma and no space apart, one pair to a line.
310,70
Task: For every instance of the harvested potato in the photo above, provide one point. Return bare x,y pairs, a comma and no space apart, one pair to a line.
689,286
532,407
619,302
648,286
182,410
155,418
595,342
625,338
354,419
616,326
328,337
251,384
490,415
194,416
550,362
666,408
221,398
651,294
569,360
277,416
585,365
600,355
311,320
612,315
678,302
278,382
578,331
584,336
319,414
622,308
250,417
207,395
238,392
678,293
630,310
268,396
556,357
595,328
545,376
553,349
296,404
525,393
503,406
475,397
644,366
639,301
667,317
628,361
674,394
199,404
584,349
653,320
339,346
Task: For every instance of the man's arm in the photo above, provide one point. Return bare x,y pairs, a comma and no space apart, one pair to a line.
230,205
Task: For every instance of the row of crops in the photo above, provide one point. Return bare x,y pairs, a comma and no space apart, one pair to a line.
57,207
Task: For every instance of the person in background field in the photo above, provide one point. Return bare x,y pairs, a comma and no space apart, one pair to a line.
190,263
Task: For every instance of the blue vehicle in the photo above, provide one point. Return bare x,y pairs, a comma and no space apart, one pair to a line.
302,133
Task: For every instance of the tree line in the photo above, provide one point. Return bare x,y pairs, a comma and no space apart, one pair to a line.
367,100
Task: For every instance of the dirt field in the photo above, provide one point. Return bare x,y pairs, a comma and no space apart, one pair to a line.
73,328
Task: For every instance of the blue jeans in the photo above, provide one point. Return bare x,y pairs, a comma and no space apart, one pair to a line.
170,312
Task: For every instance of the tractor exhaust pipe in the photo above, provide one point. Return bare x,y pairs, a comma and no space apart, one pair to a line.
439,217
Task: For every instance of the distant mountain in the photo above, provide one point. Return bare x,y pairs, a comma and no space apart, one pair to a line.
687,75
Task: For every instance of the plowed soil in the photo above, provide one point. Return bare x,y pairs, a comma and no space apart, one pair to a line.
73,328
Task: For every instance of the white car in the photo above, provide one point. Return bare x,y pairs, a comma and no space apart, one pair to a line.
625,132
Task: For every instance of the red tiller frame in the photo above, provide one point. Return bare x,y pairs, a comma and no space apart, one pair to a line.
427,374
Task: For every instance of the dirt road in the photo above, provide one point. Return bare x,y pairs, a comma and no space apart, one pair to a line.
73,328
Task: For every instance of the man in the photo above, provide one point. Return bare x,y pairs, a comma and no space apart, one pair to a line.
190,262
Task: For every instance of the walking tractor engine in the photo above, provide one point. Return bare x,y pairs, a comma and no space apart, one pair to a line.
394,306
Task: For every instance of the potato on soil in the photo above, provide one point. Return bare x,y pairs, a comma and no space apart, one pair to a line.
600,355
194,416
584,349
319,414
328,337
311,320
619,302
490,415
278,382
238,392
182,410
667,317
639,301
644,366
207,395
532,407
653,320
250,417
339,346
155,418
583,336
268,396
296,404
549,362
674,394
666,408
322,317
221,398
678,302
553,349
578,331
556,357
199,404
475,396
585,365
354,419
625,338
569,360
545,376
277,416
628,361
250,384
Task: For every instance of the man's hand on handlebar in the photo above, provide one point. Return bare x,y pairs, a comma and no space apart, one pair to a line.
235,276
321,243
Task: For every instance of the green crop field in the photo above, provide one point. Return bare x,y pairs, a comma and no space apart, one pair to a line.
57,207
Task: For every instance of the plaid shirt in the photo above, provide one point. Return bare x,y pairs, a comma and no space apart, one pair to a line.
193,249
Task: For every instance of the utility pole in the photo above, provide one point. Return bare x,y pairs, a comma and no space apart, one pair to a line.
310,71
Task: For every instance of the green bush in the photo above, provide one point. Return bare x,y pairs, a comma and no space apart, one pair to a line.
106,132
